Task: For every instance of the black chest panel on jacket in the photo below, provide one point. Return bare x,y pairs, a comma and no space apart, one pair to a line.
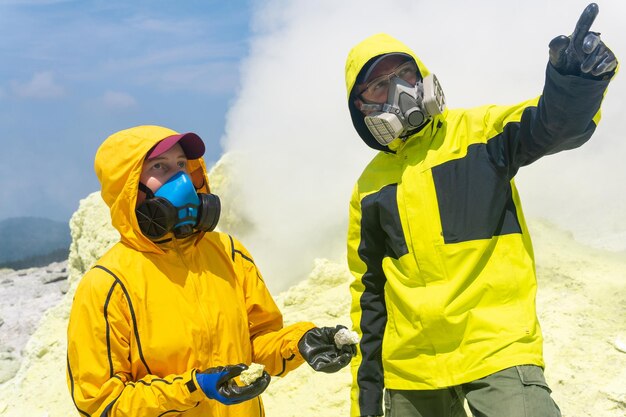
474,197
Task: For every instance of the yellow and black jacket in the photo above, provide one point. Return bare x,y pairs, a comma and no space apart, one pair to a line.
444,289
148,316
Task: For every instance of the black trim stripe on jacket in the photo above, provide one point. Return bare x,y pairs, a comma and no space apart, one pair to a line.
69,371
285,364
132,313
381,235
108,329
147,384
233,251
106,410
178,411
232,248
261,411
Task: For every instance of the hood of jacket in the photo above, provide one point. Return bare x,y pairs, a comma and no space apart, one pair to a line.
118,165
359,59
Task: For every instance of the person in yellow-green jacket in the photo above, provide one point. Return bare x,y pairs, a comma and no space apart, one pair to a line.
165,322
444,273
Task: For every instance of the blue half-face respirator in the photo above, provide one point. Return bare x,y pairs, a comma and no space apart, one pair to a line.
177,207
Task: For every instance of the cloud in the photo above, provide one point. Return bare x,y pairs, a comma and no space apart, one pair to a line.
126,45
300,156
210,68
118,100
41,86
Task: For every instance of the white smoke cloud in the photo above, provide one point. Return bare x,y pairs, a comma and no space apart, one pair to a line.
300,156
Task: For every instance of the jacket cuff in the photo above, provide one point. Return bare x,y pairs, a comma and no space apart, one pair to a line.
193,387
293,351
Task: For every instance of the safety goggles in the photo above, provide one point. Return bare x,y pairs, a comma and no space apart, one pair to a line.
377,89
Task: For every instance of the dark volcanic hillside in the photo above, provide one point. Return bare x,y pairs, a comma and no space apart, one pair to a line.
32,241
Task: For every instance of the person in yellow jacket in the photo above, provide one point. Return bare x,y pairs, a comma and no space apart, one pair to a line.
169,317
444,288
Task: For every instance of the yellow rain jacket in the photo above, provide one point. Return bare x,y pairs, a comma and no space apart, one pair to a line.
148,316
444,289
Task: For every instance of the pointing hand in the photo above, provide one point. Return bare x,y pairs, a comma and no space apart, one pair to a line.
583,53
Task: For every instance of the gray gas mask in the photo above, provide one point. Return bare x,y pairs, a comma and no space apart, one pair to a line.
408,107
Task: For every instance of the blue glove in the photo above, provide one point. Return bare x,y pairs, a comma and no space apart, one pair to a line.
318,348
218,384
583,53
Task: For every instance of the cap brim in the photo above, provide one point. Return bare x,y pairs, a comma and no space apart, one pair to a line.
368,68
192,145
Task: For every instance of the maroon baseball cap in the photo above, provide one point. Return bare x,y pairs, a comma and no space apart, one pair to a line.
190,142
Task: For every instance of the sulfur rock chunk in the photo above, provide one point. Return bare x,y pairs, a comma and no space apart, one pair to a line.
254,372
346,337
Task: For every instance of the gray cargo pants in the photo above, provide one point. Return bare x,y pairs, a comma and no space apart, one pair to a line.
520,391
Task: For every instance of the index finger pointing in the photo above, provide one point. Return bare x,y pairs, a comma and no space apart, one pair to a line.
584,24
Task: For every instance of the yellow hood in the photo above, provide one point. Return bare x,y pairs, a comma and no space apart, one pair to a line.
358,60
118,165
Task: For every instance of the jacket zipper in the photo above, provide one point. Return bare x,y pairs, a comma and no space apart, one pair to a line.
199,304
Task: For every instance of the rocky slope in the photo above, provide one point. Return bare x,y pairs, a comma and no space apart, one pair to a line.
25,295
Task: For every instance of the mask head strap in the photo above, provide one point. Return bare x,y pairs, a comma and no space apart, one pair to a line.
371,107
143,187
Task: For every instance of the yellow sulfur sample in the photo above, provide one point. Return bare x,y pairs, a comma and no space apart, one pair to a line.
254,372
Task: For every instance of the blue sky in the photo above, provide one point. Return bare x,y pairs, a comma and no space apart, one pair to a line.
73,72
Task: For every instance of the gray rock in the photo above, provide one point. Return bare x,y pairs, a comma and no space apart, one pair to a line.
25,295
53,277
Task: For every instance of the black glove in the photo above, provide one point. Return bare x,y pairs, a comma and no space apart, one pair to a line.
218,384
318,348
583,53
